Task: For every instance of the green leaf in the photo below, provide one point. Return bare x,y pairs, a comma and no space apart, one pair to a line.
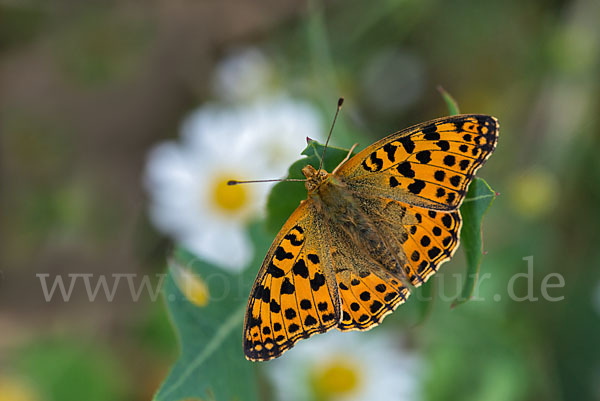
426,297
450,102
212,363
285,197
478,200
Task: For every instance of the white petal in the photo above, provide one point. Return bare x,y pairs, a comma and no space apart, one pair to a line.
165,165
227,246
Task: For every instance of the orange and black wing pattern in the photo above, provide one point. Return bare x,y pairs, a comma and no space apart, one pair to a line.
429,165
294,295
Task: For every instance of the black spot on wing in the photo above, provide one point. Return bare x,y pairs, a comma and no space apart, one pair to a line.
407,144
449,160
430,132
390,149
433,252
275,271
274,306
258,292
416,187
405,169
424,156
293,239
281,254
376,162
447,220
313,258
317,281
300,268
305,304
443,145
328,317
375,306
455,180
266,294
287,287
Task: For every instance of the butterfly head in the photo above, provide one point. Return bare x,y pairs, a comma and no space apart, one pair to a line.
314,177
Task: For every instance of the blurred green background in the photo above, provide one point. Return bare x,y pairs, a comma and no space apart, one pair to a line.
86,89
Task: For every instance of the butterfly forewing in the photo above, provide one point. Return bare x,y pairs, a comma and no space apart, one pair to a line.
428,165
294,295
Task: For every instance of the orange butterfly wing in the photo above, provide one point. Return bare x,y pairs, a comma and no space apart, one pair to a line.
294,295
429,165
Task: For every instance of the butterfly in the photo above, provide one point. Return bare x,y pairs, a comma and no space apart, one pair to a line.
382,222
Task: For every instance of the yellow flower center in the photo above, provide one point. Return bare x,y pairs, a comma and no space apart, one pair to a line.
229,198
337,378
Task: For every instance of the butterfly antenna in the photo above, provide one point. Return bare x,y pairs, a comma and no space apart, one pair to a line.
236,182
339,107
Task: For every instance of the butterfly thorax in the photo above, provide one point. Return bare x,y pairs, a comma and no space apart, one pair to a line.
337,203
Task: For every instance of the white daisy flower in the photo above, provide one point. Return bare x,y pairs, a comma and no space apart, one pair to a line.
187,179
345,367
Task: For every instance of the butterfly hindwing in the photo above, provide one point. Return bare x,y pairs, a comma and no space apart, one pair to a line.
369,280
294,296
428,165
433,237
426,238
368,299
